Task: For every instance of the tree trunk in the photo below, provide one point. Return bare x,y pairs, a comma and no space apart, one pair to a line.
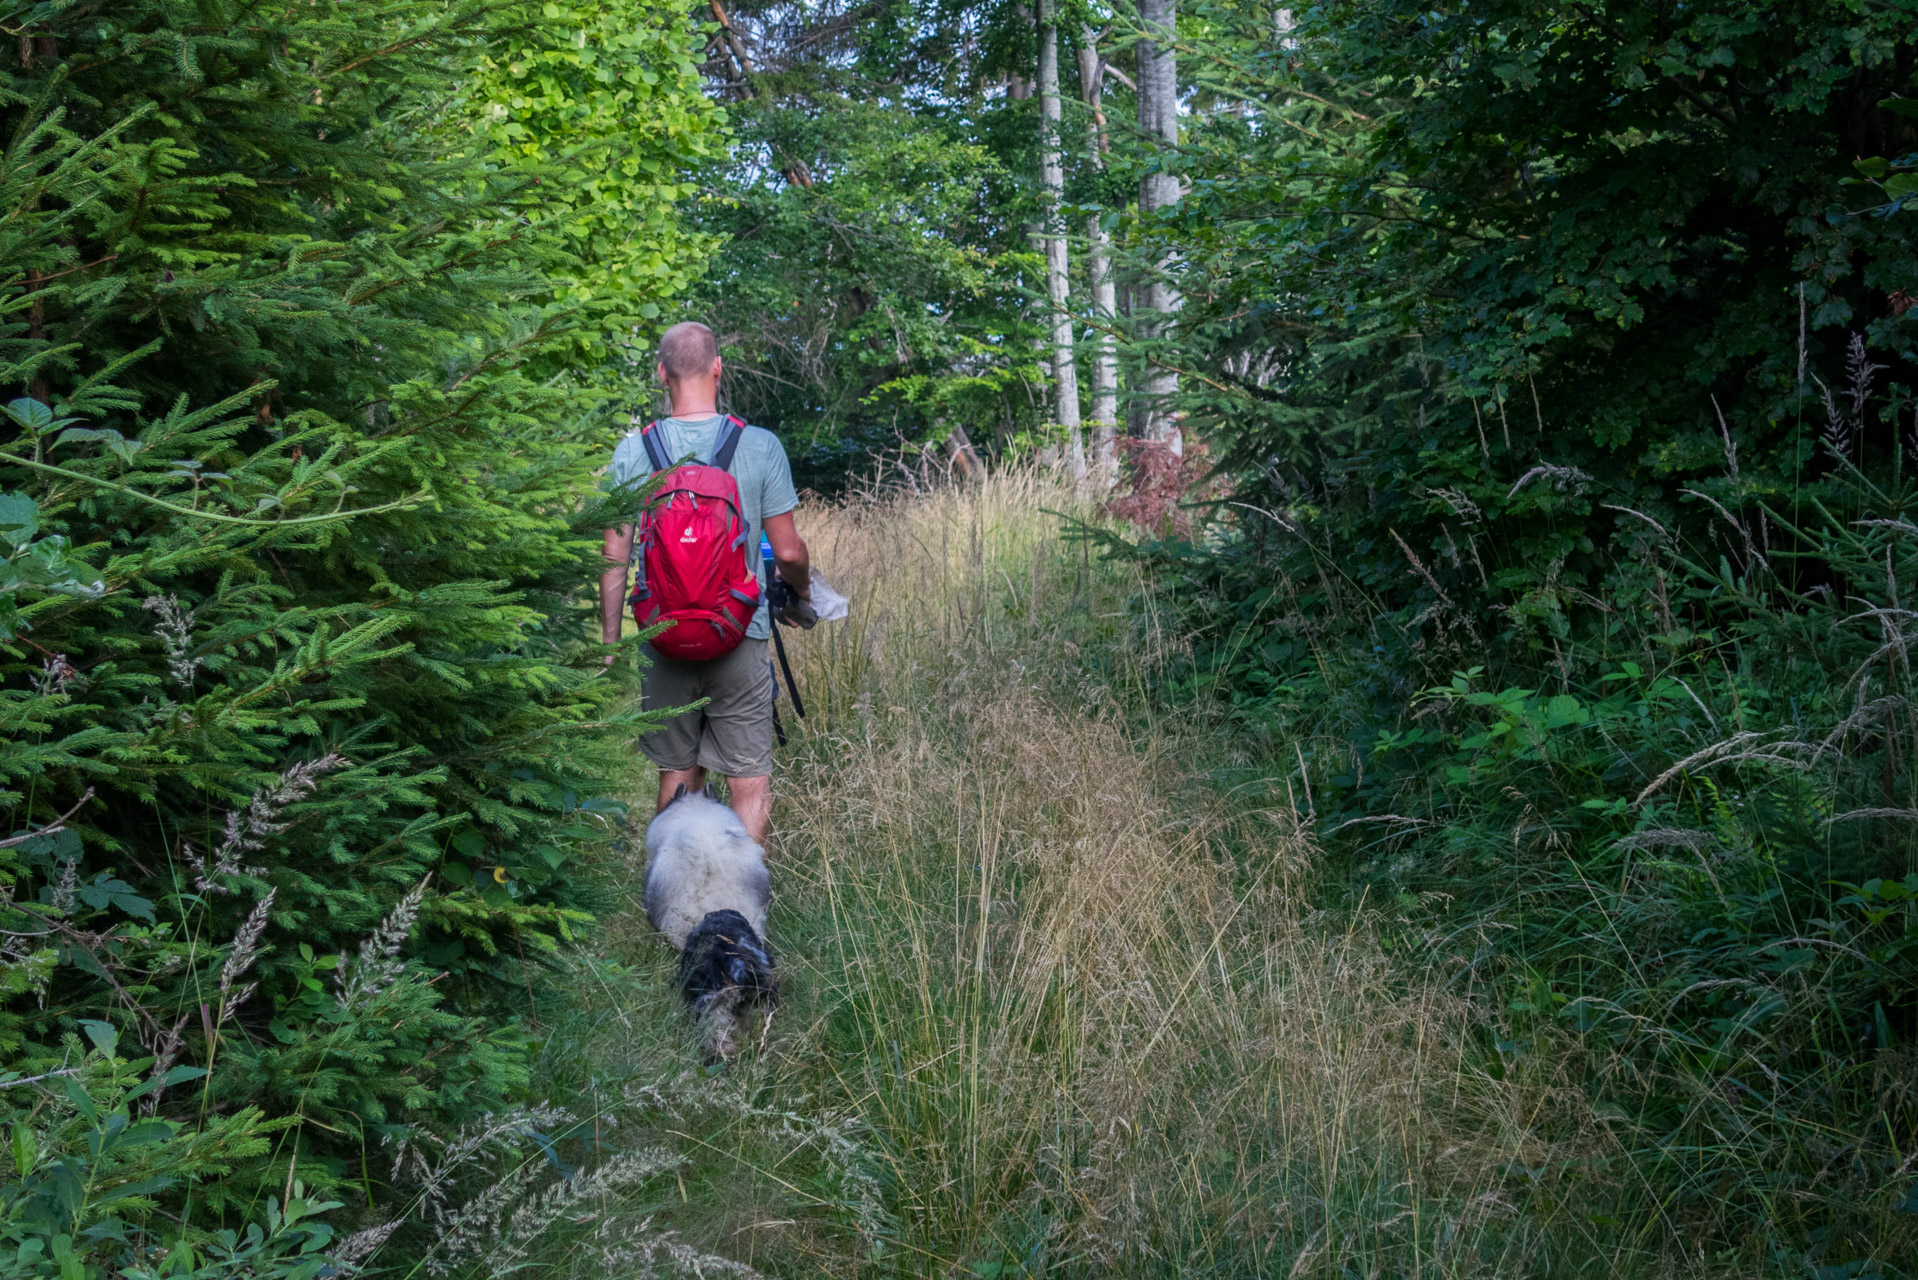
1159,119
1052,175
40,388
793,167
1105,294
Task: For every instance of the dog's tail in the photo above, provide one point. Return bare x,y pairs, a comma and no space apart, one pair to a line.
726,967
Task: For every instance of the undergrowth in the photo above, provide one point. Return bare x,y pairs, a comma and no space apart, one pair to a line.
1666,845
1068,991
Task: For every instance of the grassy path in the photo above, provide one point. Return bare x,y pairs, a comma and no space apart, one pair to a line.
1055,1004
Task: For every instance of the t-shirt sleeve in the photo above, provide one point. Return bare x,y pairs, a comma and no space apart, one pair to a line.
776,493
628,459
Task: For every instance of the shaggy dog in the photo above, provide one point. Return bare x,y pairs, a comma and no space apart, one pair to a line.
706,890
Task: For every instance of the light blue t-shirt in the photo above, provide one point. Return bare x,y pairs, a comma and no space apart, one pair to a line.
760,467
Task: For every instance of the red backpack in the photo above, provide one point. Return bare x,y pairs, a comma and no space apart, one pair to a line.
695,573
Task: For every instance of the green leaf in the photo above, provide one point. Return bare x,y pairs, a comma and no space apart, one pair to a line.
146,1133
80,1099
175,1075
103,1034
30,414
118,445
19,518
1564,709
142,1187
135,905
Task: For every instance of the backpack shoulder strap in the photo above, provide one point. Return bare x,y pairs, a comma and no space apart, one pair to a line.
729,435
655,452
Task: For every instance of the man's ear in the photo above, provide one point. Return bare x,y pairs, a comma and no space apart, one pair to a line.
664,377
719,368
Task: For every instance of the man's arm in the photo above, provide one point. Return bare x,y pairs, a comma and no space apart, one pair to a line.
618,553
789,553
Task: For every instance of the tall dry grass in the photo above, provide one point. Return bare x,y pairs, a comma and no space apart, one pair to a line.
1055,1004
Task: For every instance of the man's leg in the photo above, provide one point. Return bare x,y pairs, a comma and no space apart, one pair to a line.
671,780
752,800
737,737
666,684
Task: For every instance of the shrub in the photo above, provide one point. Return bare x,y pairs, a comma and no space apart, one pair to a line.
1679,855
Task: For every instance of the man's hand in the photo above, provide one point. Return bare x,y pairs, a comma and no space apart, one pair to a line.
793,590
799,611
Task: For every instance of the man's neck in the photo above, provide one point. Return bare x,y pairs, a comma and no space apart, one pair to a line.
694,398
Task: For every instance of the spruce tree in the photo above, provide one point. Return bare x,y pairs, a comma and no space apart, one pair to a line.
301,737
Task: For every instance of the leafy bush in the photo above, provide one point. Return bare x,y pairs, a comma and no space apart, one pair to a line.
91,1162
1679,857
1503,282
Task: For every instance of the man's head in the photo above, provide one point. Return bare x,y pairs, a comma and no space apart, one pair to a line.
689,365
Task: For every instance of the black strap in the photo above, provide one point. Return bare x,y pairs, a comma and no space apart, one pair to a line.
779,647
655,452
730,432
729,435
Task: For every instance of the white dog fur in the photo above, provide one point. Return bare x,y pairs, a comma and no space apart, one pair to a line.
699,859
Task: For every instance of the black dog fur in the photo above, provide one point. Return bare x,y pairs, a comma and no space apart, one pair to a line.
726,964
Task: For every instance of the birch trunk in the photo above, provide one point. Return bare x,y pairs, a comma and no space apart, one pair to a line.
1052,175
1105,293
1159,119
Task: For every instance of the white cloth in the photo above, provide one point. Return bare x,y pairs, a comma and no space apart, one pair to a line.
827,603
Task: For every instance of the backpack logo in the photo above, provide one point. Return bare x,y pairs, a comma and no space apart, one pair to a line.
689,535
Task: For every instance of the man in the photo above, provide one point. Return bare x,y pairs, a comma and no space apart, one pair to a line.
733,733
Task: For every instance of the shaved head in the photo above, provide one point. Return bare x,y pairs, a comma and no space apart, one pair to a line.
687,351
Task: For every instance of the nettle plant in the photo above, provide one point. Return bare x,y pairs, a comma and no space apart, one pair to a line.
1517,723
90,1164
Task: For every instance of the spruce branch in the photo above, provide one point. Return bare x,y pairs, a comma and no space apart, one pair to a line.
330,517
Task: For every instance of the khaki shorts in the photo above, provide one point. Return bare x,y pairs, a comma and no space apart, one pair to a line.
733,733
